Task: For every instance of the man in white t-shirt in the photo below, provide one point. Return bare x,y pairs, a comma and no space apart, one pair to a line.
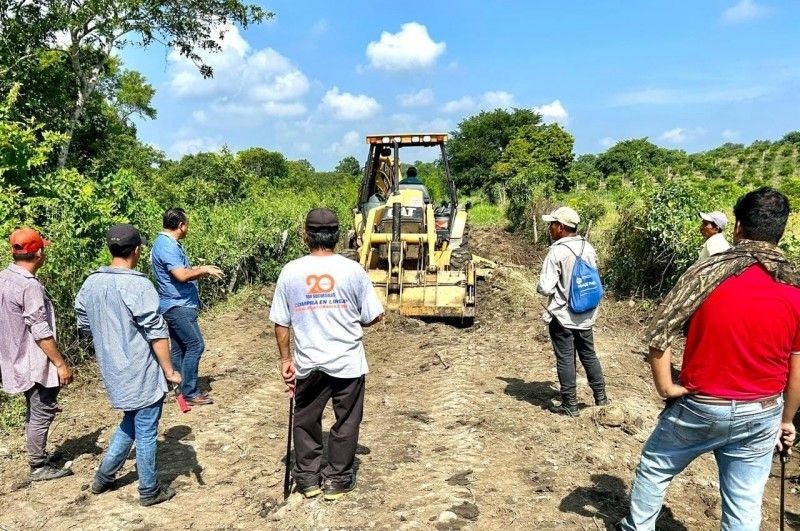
326,299
712,227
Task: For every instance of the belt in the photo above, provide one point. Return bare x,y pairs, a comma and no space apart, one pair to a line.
765,402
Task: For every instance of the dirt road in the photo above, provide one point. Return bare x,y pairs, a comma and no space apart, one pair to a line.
456,432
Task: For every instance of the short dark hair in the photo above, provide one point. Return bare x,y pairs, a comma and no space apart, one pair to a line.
762,214
173,218
24,257
411,171
122,252
322,239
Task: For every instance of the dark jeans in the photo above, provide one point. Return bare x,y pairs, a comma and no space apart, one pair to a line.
41,411
311,397
187,346
565,342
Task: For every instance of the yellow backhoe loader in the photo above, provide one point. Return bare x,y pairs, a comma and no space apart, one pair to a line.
416,254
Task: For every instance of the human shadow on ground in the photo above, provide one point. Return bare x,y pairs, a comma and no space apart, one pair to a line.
542,394
204,383
177,458
85,444
607,499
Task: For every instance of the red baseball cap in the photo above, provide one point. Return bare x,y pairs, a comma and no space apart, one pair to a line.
26,240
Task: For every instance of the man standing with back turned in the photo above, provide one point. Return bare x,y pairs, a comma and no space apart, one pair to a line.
180,300
740,379
326,299
30,361
569,331
118,306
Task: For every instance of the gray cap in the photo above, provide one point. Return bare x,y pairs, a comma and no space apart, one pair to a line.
717,218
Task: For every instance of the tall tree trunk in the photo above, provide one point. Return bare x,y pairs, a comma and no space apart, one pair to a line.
80,104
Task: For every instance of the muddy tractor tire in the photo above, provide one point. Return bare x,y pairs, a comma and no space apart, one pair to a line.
461,255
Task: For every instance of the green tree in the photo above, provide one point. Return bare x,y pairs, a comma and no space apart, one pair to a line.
95,29
349,166
479,142
627,156
267,165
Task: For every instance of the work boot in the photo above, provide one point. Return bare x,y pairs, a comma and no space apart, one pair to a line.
600,398
568,407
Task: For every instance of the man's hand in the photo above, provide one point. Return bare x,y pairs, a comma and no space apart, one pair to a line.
64,375
212,271
673,391
174,377
785,437
288,374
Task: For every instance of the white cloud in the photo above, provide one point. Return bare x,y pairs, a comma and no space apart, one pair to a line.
200,116
743,11
262,82
674,136
553,112
348,144
346,106
411,48
488,101
189,146
606,142
659,96
460,105
730,134
497,99
417,99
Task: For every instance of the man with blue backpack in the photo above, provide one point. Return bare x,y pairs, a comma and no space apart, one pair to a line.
571,281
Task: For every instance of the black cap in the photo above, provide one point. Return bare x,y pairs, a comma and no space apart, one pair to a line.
411,171
322,218
124,235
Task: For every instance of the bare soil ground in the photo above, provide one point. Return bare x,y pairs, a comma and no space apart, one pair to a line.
457,432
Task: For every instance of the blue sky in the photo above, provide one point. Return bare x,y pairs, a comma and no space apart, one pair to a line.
312,82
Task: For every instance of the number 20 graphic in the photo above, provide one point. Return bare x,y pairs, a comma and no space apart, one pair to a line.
320,283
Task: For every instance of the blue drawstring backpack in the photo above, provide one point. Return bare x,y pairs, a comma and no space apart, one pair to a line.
585,287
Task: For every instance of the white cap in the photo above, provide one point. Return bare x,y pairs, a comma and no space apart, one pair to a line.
717,218
564,215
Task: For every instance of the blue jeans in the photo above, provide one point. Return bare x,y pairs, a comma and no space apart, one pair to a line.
140,425
187,346
742,437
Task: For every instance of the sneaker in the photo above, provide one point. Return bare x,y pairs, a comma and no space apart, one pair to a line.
100,488
163,494
334,491
566,410
48,472
309,491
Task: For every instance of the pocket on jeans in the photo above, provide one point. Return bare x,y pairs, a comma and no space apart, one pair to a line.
762,433
687,426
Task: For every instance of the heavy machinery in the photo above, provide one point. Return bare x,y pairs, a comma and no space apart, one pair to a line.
416,254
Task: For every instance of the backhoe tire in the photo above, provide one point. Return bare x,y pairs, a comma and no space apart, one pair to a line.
352,254
463,254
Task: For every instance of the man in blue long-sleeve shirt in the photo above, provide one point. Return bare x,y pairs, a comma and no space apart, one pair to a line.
118,306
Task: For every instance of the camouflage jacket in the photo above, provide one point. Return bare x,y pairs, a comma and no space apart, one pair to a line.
697,283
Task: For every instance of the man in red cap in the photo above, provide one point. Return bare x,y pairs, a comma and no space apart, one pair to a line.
30,360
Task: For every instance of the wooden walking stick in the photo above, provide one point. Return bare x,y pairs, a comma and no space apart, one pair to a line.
784,455
287,479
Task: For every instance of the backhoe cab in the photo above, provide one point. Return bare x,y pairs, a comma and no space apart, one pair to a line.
416,255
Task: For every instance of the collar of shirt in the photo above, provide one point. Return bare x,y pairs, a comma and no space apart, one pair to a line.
21,271
171,237
119,271
567,239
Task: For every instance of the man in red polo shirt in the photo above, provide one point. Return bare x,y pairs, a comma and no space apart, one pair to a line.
740,379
